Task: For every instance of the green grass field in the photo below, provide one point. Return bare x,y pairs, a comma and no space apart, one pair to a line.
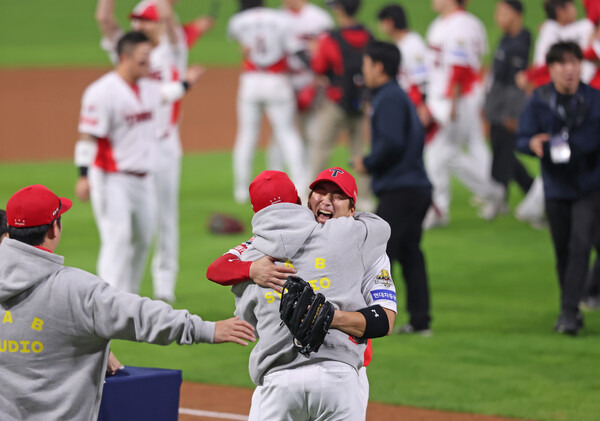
494,296
494,290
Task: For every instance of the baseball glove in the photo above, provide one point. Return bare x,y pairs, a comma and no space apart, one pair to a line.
306,314
220,223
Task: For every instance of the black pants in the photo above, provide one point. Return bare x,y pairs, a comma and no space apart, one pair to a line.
505,165
405,209
573,225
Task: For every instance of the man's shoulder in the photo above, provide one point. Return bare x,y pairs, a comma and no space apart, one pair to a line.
101,86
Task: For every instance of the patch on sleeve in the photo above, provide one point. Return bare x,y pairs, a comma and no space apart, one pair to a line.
383,294
384,278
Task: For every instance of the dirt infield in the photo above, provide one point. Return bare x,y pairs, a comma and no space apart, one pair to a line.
40,108
236,401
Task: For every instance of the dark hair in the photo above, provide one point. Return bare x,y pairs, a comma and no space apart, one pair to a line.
559,51
249,4
350,6
3,226
34,236
551,5
396,14
385,53
128,42
516,5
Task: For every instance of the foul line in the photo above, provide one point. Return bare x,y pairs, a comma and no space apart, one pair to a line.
210,414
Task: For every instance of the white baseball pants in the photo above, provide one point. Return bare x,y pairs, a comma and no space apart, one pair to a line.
124,209
328,390
167,175
459,148
272,93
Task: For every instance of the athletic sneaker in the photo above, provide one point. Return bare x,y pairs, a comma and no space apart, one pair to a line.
590,303
409,329
568,324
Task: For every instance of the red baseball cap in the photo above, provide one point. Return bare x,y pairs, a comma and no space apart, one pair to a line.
270,187
35,205
145,10
341,178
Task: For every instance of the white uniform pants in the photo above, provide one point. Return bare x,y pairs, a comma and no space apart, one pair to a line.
165,261
459,148
272,93
328,390
123,207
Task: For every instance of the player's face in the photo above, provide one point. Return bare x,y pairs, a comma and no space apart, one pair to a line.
293,4
504,16
567,14
369,71
140,60
439,6
328,201
566,74
386,27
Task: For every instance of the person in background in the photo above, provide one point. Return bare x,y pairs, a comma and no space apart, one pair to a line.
505,100
560,125
398,177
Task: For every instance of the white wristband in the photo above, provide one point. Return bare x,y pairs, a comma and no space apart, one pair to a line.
172,91
85,152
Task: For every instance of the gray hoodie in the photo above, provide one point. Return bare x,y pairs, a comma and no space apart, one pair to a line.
333,257
56,327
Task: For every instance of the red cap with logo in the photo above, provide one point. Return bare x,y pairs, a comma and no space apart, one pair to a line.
271,187
341,178
146,10
34,206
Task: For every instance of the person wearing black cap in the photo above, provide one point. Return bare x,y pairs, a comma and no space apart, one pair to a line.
58,321
399,179
505,100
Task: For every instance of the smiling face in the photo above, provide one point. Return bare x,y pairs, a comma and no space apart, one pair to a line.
328,201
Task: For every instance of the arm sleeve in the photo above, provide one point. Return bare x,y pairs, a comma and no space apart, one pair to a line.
192,34
228,270
526,130
120,315
378,286
320,62
389,120
94,117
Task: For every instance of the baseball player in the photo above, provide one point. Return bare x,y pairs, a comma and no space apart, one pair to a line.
58,321
307,22
168,62
230,270
457,42
117,129
266,41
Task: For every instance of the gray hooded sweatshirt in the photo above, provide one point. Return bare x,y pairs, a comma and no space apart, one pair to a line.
56,325
333,257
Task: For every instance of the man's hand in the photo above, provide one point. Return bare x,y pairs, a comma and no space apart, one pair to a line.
234,330
204,23
82,189
536,144
358,165
113,364
193,73
424,115
266,273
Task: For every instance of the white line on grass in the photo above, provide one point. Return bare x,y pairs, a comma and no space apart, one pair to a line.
220,415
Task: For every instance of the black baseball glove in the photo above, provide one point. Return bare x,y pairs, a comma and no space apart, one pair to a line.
306,314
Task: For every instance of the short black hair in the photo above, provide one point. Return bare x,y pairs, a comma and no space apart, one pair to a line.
350,6
3,226
34,236
559,51
385,53
551,5
127,42
516,5
396,13
249,4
